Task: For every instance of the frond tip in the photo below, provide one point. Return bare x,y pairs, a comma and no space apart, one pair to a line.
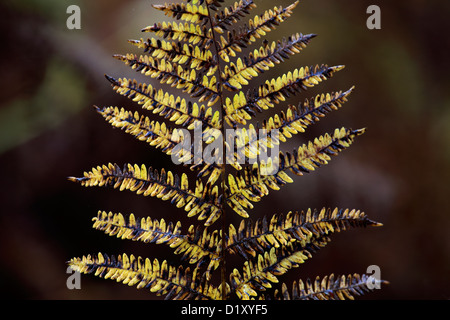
330,288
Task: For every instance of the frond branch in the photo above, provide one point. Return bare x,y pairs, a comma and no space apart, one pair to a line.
276,91
252,238
204,202
330,288
175,109
188,32
195,57
231,15
174,75
254,183
197,246
238,75
160,278
185,11
282,126
257,27
259,275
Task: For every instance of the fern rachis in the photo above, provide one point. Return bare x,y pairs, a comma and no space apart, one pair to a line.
201,55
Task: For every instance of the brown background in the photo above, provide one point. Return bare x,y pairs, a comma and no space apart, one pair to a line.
398,172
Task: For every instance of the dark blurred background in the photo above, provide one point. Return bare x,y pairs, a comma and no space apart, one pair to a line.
397,172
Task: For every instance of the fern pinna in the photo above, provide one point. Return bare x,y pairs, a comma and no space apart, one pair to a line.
202,55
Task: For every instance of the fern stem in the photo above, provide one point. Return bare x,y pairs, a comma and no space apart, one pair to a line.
223,175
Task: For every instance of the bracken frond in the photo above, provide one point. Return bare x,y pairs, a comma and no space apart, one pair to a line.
297,119
187,32
175,75
255,29
175,283
198,58
252,238
259,274
203,202
142,128
280,127
201,55
275,91
175,109
273,249
170,140
198,245
237,75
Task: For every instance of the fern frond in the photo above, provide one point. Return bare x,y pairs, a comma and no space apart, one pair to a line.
284,244
185,11
197,246
260,274
255,29
175,109
329,288
171,141
175,75
160,278
297,119
253,183
237,75
153,132
252,238
195,57
203,202
231,15
147,230
187,32
275,91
